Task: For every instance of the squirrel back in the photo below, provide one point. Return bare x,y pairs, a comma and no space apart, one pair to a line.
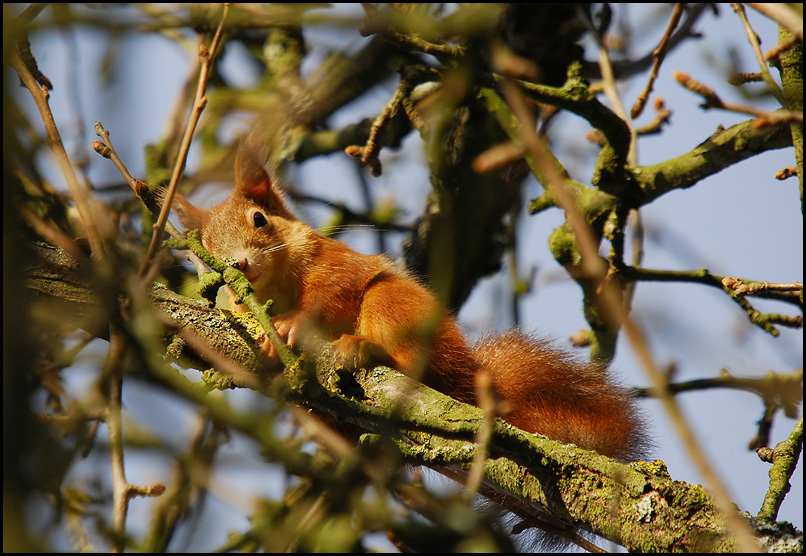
373,310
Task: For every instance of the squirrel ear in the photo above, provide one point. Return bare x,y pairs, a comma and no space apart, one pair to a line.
191,216
254,181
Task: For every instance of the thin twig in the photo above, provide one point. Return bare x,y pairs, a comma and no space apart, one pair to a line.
782,14
114,426
206,59
107,150
659,54
753,40
79,191
712,100
486,402
609,83
743,287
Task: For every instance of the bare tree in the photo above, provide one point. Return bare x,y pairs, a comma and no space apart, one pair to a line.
139,416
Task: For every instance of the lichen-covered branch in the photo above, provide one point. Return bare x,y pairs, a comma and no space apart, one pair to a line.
638,506
785,458
723,149
791,65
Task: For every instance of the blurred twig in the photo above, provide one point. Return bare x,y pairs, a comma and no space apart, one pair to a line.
206,56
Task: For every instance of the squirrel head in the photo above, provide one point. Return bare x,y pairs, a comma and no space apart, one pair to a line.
254,226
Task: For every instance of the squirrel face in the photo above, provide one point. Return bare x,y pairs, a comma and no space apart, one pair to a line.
268,248
269,244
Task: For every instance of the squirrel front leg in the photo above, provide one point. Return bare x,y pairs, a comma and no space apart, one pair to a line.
402,324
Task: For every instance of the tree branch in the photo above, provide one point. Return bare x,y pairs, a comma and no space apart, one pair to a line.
638,505
723,149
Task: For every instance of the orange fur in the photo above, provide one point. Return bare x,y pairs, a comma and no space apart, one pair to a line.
370,308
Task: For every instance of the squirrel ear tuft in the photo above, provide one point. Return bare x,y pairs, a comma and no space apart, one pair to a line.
254,181
191,216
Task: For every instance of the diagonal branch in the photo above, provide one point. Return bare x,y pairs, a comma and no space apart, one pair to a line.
724,148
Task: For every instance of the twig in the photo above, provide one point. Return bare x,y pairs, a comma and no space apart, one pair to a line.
781,387
609,84
782,14
107,150
777,391
736,287
169,509
206,59
662,117
703,276
659,54
786,173
712,100
486,402
122,491
743,287
628,68
79,191
368,154
753,40
380,23
782,46
21,26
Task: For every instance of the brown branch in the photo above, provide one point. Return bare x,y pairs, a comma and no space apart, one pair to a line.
206,56
712,100
659,54
370,152
79,190
107,150
780,292
752,38
781,391
782,14
627,68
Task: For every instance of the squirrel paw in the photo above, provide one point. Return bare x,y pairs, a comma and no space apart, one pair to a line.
356,352
287,330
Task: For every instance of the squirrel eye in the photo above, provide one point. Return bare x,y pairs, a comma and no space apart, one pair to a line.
259,219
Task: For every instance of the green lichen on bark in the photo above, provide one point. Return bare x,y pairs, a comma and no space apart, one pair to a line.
791,65
723,149
635,505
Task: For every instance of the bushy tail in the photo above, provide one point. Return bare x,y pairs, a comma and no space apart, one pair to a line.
548,391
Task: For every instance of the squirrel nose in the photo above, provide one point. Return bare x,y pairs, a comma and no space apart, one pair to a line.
243,263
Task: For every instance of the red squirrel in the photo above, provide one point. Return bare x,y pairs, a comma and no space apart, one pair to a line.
369,307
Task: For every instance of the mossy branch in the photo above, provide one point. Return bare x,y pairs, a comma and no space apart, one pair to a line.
723,149
791,66
785,458
637,505
243,290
